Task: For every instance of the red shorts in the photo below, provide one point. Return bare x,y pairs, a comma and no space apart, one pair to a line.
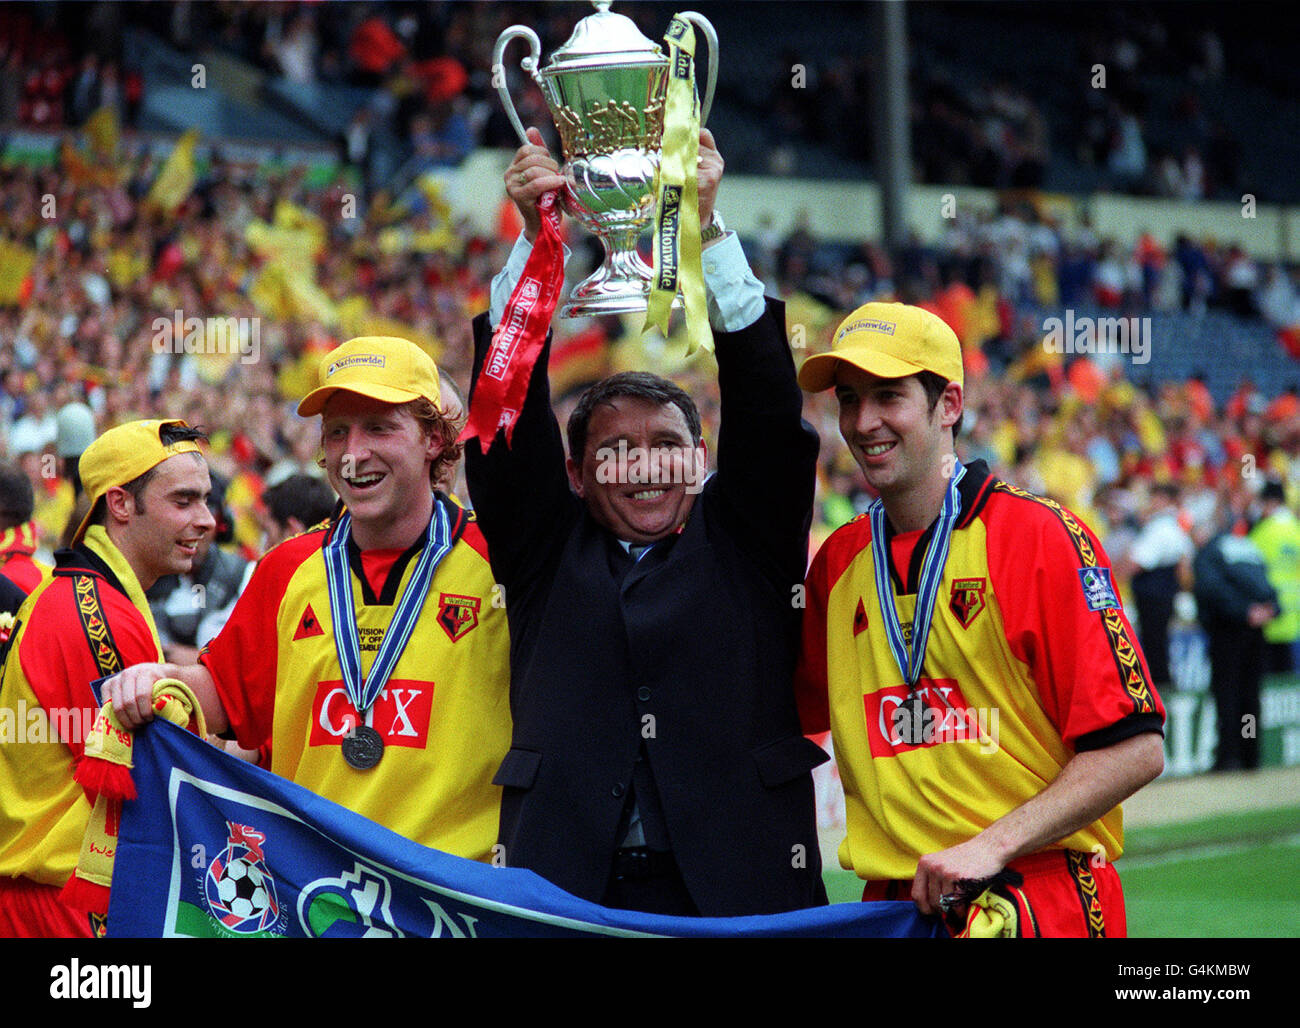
30,910
1068,895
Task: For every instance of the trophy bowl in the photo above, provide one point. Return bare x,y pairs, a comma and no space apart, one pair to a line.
605,88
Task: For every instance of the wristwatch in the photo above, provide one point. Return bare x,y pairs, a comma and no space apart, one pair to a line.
715,229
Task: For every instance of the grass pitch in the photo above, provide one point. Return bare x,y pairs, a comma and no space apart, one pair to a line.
1225,877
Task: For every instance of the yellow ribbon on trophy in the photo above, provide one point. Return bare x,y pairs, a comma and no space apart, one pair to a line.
677,245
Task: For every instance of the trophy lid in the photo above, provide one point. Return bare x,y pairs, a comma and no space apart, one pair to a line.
605,38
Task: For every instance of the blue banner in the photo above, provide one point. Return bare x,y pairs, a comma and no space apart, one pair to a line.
215,847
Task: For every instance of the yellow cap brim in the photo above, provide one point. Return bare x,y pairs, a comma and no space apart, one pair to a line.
314,402
818,371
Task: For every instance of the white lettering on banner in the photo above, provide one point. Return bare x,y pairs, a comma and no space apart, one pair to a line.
369,893
442,922
364,890
503,346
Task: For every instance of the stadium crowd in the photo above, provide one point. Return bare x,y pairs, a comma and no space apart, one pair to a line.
79,322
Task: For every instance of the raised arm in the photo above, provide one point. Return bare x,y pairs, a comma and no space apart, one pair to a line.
520,492
767,453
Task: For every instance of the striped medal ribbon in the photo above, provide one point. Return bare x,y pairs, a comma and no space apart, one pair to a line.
363,746
911,658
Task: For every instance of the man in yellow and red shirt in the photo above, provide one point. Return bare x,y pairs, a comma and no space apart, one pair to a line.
18,531
148,485
965,645
407,732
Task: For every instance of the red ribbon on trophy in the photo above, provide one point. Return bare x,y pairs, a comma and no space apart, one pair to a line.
518,340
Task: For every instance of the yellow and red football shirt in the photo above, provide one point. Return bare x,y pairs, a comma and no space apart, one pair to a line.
47,706
17,550
444,715
1030,660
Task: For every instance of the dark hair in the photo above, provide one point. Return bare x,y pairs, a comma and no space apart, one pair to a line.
640,385
934,385
225,530
168,435
17,501
305,497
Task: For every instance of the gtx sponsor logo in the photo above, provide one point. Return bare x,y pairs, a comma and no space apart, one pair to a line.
400,714
936,712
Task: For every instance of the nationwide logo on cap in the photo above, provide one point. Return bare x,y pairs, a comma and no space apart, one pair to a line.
373,360
867,325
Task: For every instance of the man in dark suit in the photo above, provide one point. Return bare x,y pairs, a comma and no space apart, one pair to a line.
657,762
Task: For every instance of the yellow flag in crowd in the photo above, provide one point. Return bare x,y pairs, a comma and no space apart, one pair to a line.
286,286
16,263
103,131
176,179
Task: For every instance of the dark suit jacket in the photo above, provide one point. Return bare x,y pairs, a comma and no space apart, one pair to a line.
690,652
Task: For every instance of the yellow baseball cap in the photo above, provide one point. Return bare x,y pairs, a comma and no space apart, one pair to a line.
122,455
890,340
385,368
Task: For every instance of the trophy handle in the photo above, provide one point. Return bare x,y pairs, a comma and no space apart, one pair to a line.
705,26
528,64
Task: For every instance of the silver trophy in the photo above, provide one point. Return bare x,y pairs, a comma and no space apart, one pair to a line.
605,88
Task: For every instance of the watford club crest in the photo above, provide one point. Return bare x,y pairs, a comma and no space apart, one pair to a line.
967,599
457,614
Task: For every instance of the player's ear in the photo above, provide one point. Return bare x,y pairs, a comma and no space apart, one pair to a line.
119,505
951,404
575,476
701,457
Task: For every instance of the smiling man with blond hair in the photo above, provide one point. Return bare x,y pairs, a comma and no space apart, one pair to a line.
369,654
